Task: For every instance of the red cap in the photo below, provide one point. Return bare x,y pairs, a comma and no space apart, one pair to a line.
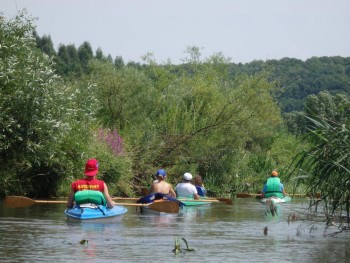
91,167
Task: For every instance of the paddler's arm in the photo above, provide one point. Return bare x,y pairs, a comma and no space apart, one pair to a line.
70,199
109,200
195,196
172,192
263,191
284,192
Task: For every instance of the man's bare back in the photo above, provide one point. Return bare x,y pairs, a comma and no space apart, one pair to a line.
163,187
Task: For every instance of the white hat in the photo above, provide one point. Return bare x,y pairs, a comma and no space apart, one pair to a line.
188,176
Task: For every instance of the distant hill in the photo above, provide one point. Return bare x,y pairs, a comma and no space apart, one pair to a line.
298,79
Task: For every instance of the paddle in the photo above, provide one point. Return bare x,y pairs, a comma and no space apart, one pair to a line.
21,201
246,195
212,200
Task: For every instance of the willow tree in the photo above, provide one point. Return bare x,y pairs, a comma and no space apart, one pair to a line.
204,121
192,117
30,110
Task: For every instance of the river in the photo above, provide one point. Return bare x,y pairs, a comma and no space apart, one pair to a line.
218,233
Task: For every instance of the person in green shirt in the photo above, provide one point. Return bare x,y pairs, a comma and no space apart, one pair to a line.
273,187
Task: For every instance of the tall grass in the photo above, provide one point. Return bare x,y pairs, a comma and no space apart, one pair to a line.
325,166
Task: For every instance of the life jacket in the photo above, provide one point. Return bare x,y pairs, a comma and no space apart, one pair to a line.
88,184
150,198
201,190
157,196
90,197
273,187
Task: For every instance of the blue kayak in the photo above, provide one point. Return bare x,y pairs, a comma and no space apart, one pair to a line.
91,211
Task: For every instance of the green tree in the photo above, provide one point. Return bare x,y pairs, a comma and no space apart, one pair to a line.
99,54
30,109
85,54
45,44
193,119
75,66
63,60
118,62
321,106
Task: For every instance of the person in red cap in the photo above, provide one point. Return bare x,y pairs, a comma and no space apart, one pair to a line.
95,190
273,187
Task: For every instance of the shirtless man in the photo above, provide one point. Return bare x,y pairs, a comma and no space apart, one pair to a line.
161,186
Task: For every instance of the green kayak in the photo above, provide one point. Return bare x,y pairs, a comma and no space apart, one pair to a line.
193,202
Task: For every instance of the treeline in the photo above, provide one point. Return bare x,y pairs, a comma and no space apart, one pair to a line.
210,117
296,79
71,61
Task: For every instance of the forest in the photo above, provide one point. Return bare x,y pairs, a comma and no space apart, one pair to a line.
231,123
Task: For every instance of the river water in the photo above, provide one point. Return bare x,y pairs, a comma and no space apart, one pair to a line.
218,233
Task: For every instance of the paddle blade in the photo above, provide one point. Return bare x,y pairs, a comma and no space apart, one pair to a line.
165,206
246,195
226,200
18,201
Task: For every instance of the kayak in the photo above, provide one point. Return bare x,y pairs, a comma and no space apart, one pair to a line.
276,200
194,203
92,211
273,204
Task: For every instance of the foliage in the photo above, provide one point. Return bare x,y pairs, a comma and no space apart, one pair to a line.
209,116
196,120
47,127
323,105
30,106
324,167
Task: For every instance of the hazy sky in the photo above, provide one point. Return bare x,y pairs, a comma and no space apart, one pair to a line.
244,30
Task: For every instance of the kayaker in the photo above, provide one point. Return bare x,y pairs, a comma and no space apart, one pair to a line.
90,188
186,188
198,183
273,186
161,186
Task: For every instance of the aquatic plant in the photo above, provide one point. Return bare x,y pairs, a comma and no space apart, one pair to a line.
178,249
187,247
84,242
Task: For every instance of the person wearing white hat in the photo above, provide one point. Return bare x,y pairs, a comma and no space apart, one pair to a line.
186,189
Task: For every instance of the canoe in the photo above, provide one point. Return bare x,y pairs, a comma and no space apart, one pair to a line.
160,207
92,211
276,200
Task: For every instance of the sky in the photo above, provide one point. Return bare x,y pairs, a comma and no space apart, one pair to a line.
242,30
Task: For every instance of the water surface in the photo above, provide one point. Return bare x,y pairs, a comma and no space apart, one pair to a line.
219,233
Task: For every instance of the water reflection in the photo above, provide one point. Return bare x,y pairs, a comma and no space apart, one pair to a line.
217,233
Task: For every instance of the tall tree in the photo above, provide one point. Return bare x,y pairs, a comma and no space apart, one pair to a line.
118,62
85,54
45,44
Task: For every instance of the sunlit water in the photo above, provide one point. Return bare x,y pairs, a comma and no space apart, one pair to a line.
219,233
